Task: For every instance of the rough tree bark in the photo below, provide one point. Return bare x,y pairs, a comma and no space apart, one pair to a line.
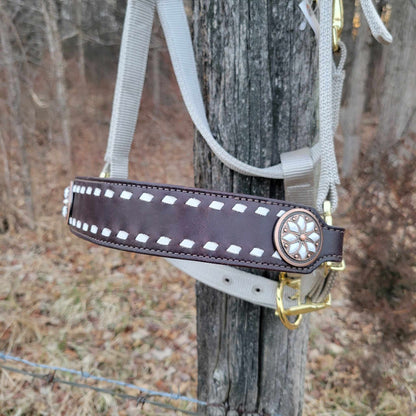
398,104
50,16
80,41
354,100
16,117
257,71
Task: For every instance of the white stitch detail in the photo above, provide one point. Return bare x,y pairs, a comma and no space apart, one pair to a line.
168,199
85,226
142,238
256,252
146,197
82,190
126,195
64,211
216,205
106,232
276,255
70,221
75,189
79,223
109,193
89,190
163,241
193,202
94,229
280,213
262,211
97,192
122,235
234,249
239,207
211,246
187,243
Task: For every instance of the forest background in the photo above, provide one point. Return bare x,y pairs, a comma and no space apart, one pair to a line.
129,317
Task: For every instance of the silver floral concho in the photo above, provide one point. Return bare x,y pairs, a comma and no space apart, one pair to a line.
298,237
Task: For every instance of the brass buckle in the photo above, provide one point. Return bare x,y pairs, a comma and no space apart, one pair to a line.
299,309
337,23
105,172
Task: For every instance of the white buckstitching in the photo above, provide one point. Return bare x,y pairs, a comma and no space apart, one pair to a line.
211,246
126,195
168,199
234,249
193,202
82,191
276,255
256,252
216,205
239,207
142,238
94,229
146,197
163,241
109,193
187,243
106,232
262,211
280,213
122,235
78,224
89,190
97,192
85,226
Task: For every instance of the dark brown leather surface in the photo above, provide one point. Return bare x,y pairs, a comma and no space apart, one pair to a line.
179,221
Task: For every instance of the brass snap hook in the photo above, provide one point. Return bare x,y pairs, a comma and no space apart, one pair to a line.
296,310
337,23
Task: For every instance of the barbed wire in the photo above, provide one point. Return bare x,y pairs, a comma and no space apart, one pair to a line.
141,399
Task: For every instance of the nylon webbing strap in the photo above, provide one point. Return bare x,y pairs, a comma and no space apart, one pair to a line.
130,78
376,25
298,176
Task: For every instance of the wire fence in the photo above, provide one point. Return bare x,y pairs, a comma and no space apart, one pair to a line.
144,397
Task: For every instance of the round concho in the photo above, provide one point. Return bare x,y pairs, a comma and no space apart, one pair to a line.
298,237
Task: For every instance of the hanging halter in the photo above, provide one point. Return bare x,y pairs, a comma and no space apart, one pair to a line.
204,232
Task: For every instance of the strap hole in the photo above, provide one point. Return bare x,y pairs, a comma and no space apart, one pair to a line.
227,280
257,289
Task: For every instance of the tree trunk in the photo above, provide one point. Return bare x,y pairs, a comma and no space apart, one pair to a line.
50,16
17,123
80,41
354,101
398,104
257,71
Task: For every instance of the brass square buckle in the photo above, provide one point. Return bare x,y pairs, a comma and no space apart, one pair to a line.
296,310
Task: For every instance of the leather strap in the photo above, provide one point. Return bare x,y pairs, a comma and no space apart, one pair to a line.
195,224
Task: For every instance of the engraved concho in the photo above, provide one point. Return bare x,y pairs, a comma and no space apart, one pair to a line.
298,237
